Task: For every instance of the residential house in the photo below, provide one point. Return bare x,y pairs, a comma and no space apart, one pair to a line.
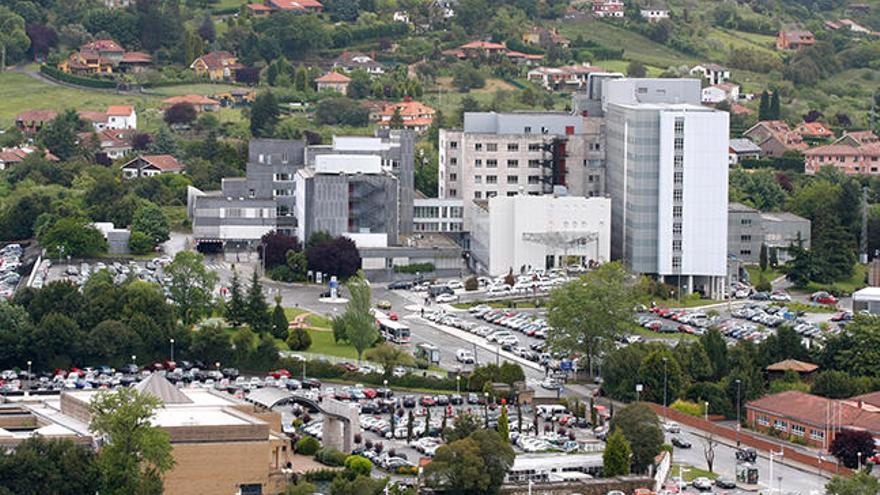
853,154
150,165
712,73
201,103
815,131
116,4
31,121
775,138
270,6
86,63
569,77
540,36
350,61
523,58
401,16
654,11
111,143
414,115
333,81
11,156
803,369
812,419
105,48
135,62
850,25
743,149
478,49
717,93
235,97
794,40
116,117
608,8
217,66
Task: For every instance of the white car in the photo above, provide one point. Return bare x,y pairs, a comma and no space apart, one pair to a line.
464,356
446,298
455,284
702,483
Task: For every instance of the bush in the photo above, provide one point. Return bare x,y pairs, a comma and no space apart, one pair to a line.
308,446
299,340
330,456
140,243
88,82
471,284
415,268
358,466
321,475
689,408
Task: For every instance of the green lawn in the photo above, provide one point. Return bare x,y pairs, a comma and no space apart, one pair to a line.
637,46
323,343
739,39
755,273
312,320
621,65
189,89
689,473
852,284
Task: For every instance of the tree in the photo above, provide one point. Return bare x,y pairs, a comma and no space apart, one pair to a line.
464,424
775,111
60,136
164,143
465,77
476,464
211,343
150,220
834,385
716,348
38,466
762,258
396,119
206,29
360,327
341,111
182,113
298,265
389,356
236,308
852,447
138,453
43,39
656,366
358,465
279,321
257,313
55,340
140,243
264,115
709,444
860,483
503,425
298,339
774,257
192,286
588,313
74,237
275,248
617,454
14,40
764,107
640,426
410,423
338,256
636,69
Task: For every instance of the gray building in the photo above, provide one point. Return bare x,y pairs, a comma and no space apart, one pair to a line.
666,173
748,229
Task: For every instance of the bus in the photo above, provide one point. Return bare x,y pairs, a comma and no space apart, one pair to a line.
393,331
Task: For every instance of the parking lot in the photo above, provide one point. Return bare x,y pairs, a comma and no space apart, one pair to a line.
79,273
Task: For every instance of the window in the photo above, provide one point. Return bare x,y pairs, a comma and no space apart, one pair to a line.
511,194
763,420
453,161
676,245
453,145
283,192
512,163
492,147
478,194
453,177
679,144
491,179
676,263
678,161
677,195
595,146
478,146
534,146
478,163
491,194
676,228
282,177
513,179
534,163
780,425
798,430
678,177
478,179
676,211
491,163
679,125
817,434
534,179
453,193
745,221
527,130
745,252
512,146
745,238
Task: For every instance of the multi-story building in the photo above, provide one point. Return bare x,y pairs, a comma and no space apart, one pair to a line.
506,154
856,153
775,138
748,229
539,232
666,173
436,215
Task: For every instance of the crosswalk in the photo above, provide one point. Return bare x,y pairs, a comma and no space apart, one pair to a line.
218,265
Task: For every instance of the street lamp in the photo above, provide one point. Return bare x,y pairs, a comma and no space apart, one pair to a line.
486,408
706,410
458,384
738,383
385,385
859,454
665,359
172,349
134,359
777,454
29,377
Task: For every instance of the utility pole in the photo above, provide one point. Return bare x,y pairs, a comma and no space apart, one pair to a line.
863,242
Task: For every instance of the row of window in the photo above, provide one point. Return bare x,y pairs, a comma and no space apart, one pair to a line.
438,212
510,194
842,159
493,179
796,429
511,147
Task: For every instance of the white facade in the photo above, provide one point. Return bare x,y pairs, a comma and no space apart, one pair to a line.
540,232
655,15
122,121
713,73
438,215
720,92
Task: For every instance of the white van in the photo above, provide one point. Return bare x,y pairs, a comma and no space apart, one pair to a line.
464,356
551,410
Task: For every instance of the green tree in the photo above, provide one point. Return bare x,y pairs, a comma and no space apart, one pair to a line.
694,361
799,269
298,264
857,350
60,135
716,348
774,257
138,453
617,454
775,111
458,469
834,385
264,115
860,483
360,327
38,466
651,374
236,308
762,258
257,314
358,465
299,340
410,424
211,343
640,426
389,355
636,69
74,237
14,41
55,340
464,424
587,314
192,286
764,106
396,119
150,220
164,142
503,425
279,321
140,243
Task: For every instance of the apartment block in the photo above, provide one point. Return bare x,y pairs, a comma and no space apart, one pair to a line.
748,229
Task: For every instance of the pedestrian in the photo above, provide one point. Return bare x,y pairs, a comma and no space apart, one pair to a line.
423,311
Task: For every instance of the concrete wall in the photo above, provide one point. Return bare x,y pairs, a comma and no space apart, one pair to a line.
212,468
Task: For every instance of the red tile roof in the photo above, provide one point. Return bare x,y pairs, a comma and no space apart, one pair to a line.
137,57
103,46
294,4
793,365
259,7
165,163
36,116
482,45
217,60
333,77
120,110
92,116
408,109
814,410
813,129
191,99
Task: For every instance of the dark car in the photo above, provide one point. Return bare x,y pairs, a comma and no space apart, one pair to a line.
370,408
311,383
130,369
456,400
230,372
746,455
442,400
724,483
409,401
473,398
681,443
402,285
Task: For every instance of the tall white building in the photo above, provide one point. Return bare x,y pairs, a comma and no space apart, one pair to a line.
666,172
539,232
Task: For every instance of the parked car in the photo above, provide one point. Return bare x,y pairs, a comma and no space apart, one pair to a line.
747,454
681,443
724,483
702,483
823,297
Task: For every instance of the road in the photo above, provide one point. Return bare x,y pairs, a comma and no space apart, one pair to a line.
791,480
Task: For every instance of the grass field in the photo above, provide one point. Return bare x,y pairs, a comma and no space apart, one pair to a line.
689,473
636,46
323,343
852,284
755,273
312,320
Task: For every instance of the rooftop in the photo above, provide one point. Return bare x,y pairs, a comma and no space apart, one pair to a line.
793,365
333,77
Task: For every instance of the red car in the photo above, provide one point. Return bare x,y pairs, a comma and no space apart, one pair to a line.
392,316
823,298
350,367
78,371
369,393
427,401
281,373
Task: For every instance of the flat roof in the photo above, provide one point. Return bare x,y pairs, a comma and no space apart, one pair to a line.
172,416
541,462
360,143
868,293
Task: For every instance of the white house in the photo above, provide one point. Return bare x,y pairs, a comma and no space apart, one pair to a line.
654,12
121,117
542,232
401,16
713,73
720,92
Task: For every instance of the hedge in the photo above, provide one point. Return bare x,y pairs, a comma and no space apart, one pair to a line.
225,11
321,475
330,457
415,268
89,82
308,446
783,163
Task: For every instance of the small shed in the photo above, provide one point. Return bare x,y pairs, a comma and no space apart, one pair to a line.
867,299
805,370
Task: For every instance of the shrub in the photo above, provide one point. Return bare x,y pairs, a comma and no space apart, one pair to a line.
299,340
358,439
308,446
321,475
689,408
377,447
358,466
471,283
140,243
54,73
330,456
415,268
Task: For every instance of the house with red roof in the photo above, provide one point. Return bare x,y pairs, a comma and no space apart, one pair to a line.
150,165
816,131
111,143
775,138
852,154
414,115
11,156
216,66
608,8
201,103
135,62
116,117
794,40
271,6
567,77
333,81
31,121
